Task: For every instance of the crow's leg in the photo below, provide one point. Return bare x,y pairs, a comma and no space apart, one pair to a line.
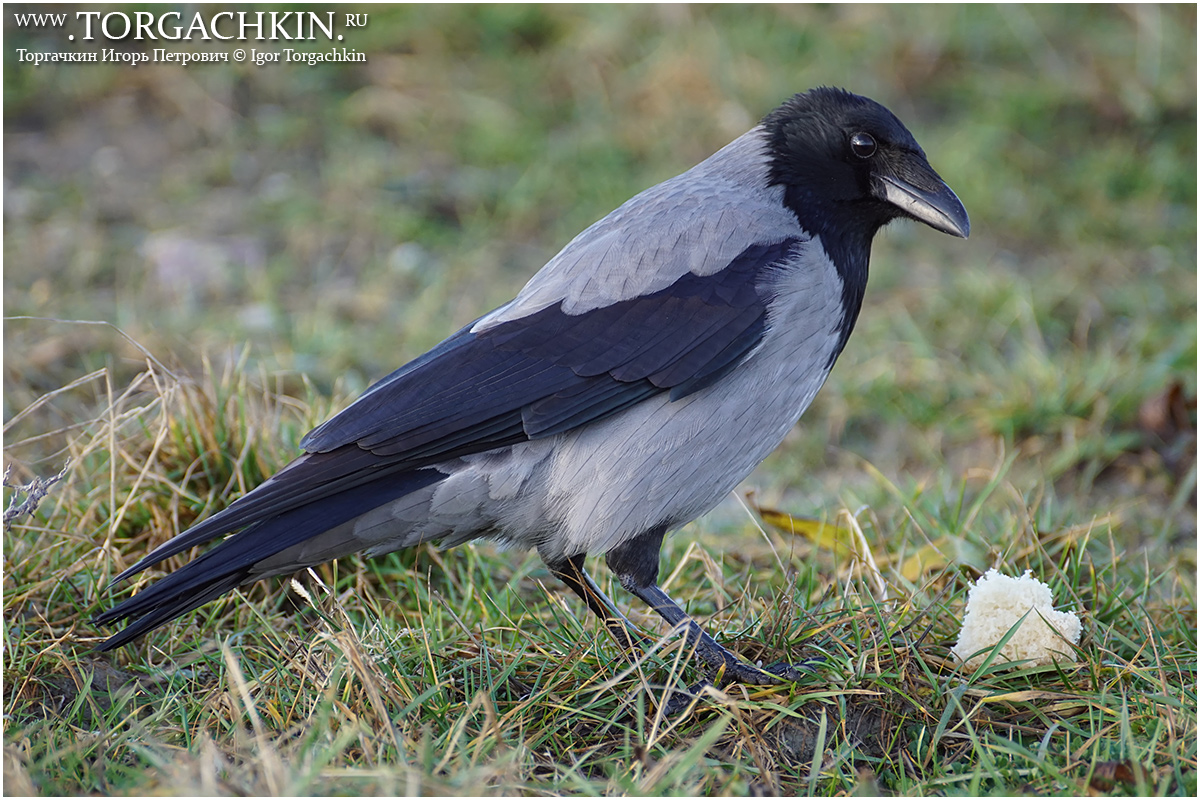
571,572
635,563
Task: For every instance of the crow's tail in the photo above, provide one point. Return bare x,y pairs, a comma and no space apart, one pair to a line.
234,562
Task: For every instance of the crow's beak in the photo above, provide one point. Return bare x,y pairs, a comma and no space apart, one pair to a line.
923,195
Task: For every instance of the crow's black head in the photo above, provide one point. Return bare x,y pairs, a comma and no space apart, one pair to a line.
849,166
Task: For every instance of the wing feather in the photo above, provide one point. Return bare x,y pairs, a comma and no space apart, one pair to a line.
551,371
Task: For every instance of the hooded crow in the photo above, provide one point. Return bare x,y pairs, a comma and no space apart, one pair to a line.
637,378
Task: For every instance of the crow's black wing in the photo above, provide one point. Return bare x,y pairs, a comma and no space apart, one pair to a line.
552,371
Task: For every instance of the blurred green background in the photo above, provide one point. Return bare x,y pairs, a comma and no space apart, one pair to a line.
337,220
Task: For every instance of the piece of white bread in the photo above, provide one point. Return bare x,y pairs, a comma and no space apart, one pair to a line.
996,603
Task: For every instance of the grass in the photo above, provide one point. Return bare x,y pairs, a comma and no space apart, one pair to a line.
267,241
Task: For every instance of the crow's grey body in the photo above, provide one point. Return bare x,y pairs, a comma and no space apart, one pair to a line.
662,462
636,379
696,222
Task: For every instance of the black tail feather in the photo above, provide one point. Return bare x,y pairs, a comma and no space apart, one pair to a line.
231,563
312,478
149,616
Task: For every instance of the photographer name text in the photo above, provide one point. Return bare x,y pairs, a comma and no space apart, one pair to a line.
160,56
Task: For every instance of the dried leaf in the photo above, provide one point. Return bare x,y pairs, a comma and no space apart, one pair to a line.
1109,773
826,535
1168,412
936,556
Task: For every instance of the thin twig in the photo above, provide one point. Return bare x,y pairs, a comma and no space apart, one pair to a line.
33,491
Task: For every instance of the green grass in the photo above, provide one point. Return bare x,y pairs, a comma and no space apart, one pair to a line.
274,239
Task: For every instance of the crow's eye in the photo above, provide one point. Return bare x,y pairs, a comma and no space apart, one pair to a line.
863,145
